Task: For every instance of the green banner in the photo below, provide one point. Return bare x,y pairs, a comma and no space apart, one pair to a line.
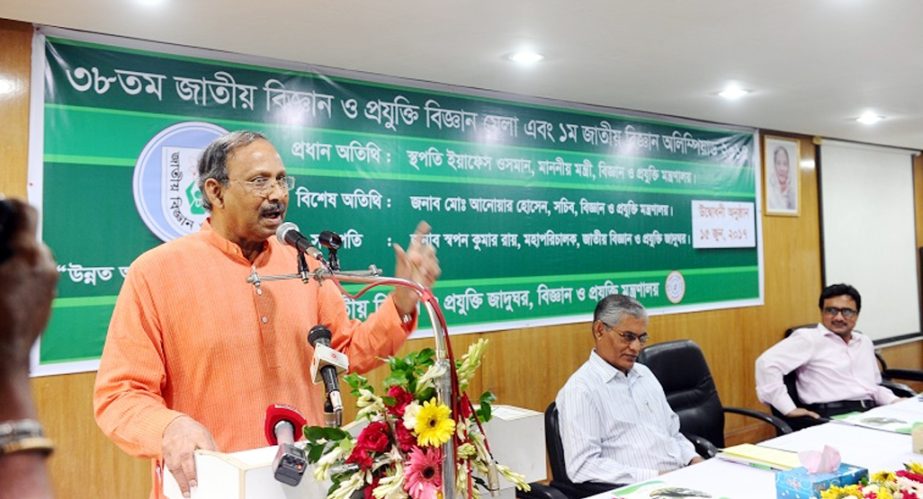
539,208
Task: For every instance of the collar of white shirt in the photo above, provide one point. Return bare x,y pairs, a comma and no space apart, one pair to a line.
607,372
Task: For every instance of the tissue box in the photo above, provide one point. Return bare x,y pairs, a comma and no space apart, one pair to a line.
797,483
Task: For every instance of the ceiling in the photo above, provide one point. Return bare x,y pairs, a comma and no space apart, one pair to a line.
813,65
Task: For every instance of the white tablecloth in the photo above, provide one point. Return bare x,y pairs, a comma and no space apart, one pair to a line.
873,449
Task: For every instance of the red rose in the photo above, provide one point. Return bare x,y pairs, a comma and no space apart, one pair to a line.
405,439
401,399
361,457
374,437
371,487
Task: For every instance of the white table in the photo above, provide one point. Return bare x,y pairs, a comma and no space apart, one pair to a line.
873,449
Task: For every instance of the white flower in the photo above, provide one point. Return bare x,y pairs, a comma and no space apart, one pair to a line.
348,486
466,451
433,373
369,404
322,468
410,415
391,486
477,438
517,478
470,362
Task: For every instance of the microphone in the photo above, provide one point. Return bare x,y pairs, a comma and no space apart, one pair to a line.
290,462
288,233
328,363
330,240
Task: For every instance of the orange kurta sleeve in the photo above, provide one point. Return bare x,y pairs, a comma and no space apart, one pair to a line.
127,400
365,343
189,335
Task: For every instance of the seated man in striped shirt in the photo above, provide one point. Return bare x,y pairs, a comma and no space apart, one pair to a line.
616,425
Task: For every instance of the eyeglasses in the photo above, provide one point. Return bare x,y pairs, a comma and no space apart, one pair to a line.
628,336
262,186
848,313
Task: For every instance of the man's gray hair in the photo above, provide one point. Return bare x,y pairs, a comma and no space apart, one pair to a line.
214,160
613,308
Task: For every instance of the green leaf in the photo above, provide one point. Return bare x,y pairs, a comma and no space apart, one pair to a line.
427,394
345,444
313,433
396,378
389,401
357,382
315,452
484,411
334,434
398,364
426,356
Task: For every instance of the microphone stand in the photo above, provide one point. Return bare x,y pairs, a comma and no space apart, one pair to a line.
446,385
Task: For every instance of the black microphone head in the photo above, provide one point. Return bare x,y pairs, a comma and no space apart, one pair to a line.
284,230
319,333
330,240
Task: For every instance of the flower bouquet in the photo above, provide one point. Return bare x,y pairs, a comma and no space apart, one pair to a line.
903,484
399,453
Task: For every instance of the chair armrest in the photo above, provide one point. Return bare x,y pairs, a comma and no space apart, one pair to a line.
907,374
899,389
541,491
702,445
782,427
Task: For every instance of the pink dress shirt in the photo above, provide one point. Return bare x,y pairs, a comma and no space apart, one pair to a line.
829,369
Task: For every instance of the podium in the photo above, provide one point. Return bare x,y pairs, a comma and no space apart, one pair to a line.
516,437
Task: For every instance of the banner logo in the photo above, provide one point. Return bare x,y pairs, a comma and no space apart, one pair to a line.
675,287
165,189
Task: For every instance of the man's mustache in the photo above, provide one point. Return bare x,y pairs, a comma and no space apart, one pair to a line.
272,207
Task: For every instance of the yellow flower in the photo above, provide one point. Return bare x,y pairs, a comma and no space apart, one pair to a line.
883,476
853,490
914,468
884,493
434,426
835,492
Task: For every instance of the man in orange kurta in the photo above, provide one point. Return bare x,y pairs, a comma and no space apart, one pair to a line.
195,354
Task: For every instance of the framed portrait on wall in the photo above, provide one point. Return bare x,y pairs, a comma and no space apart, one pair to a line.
781,174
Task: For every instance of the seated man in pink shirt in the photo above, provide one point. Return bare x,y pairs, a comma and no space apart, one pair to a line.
837,371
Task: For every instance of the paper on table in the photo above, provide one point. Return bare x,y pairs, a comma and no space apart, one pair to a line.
877,421
749,453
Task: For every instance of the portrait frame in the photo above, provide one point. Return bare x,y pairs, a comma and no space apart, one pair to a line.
779,200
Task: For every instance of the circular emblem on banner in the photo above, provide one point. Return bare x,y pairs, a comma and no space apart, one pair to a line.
164,184
676,287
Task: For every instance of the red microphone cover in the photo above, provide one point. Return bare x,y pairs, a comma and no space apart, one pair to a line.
282,412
